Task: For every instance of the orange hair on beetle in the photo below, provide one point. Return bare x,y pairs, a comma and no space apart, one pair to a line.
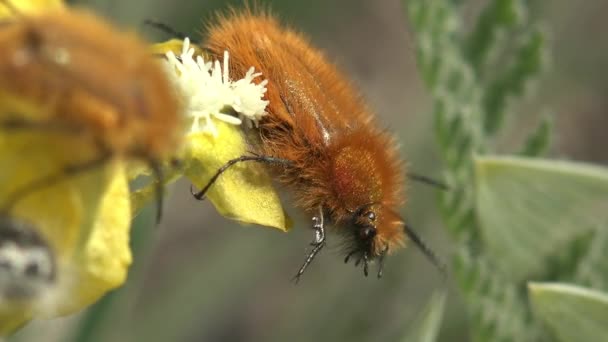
87,78
322,140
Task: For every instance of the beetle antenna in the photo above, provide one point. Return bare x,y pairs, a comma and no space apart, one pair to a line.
428,181
164,27
425,249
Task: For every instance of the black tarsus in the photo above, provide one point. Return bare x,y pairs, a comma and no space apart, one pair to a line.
428,181
257,158
426,250
308,260
317,248
166,28
318,244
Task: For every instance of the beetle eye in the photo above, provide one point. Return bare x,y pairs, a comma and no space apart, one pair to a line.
371,215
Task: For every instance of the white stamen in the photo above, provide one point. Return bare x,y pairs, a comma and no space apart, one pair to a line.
208,91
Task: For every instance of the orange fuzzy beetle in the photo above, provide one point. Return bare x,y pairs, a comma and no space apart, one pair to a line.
321,140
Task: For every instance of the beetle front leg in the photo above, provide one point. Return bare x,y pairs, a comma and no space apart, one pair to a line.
318,243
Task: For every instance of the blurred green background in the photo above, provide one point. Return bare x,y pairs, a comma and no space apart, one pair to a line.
200,277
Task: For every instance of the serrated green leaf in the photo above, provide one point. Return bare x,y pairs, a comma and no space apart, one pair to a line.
497,15
527,63
427,325
538,142
573,313
529,208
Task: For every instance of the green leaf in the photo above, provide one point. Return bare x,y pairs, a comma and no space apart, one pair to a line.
538,142
573,313
528,62
530,208
427,325
497,15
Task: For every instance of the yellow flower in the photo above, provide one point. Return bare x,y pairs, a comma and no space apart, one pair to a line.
29,6
84,219
245,192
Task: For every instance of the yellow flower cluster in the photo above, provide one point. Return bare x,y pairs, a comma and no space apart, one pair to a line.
66,244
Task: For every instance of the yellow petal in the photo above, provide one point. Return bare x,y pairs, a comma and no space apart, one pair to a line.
60,209
29,6
244,192
84,218
106,256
